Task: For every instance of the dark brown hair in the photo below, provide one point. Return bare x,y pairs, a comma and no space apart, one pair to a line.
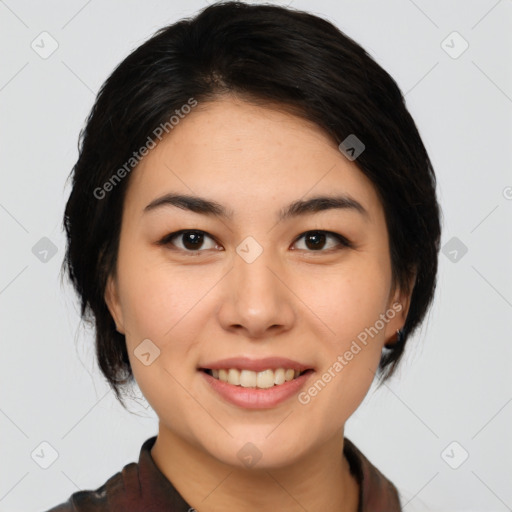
266,54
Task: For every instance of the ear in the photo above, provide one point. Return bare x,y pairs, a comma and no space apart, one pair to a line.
112,300
397,310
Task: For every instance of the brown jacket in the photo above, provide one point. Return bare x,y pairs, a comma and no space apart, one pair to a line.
142,487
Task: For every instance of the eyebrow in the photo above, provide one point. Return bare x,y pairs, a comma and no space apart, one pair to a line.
296,208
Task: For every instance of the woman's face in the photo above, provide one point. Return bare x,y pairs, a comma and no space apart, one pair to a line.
265,280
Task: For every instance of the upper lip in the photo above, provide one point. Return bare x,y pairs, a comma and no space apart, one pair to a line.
256,365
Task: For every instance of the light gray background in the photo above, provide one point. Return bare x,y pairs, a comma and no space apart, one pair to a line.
455,381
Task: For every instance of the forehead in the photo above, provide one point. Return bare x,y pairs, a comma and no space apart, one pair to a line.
244,156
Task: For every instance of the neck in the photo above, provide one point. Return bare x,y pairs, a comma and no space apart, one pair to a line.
318,481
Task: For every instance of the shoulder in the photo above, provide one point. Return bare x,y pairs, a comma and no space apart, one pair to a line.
139,486
377,493
105,497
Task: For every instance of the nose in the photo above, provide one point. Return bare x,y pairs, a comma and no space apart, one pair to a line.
257,301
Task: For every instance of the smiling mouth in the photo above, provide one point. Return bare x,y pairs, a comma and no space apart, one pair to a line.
249,379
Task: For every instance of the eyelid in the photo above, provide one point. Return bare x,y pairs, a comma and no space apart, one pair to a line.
340,238
343,241
166,240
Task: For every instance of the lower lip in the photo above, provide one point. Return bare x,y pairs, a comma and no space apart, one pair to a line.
254,398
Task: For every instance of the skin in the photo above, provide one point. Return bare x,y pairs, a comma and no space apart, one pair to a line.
293,301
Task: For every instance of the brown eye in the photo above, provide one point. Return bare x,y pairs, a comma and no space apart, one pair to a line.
318,240
189,240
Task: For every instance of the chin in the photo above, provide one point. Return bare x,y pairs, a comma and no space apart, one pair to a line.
255,449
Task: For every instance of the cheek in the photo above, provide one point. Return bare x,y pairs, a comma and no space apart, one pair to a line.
350,304
155,296
150,308
349,299
165,309
165,305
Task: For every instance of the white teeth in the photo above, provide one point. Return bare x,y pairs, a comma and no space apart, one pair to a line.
249,379
265,379
289,375
234,376
279,377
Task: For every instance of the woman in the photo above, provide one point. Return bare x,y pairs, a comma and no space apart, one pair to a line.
253,229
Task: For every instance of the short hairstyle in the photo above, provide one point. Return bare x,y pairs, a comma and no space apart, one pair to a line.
267,55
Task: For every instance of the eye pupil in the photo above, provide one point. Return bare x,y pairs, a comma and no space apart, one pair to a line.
192,240
314,240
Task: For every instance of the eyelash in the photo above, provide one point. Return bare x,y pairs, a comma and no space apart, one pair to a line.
344,242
